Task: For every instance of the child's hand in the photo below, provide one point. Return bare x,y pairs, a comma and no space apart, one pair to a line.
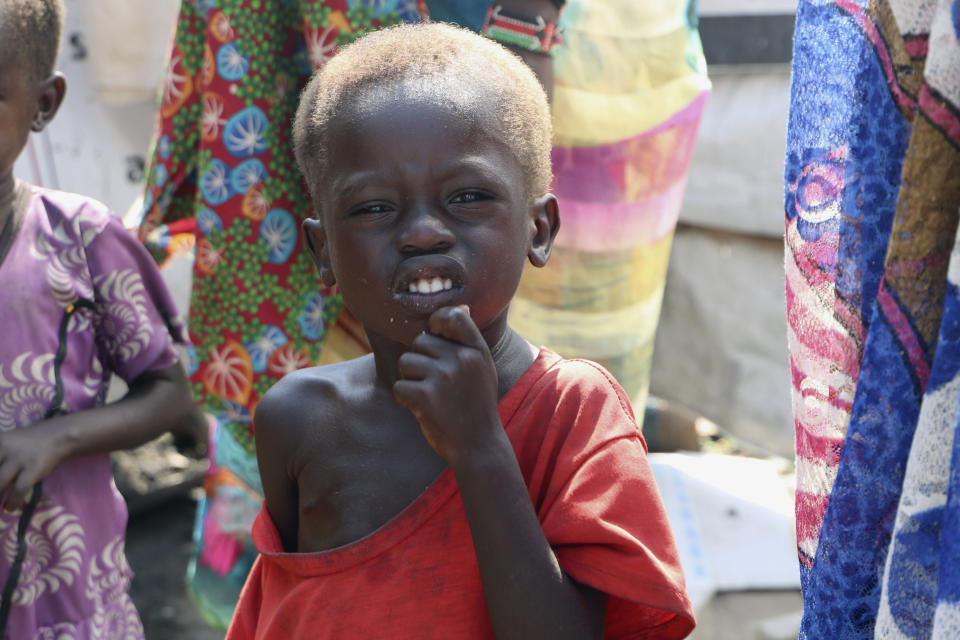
27,456
449,383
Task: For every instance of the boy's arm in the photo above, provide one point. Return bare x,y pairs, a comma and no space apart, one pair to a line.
450,384
155,403
528,595
276,445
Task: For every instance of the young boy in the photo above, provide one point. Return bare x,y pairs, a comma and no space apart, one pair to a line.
457,482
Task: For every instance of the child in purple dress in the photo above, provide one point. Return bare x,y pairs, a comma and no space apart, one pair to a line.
80,299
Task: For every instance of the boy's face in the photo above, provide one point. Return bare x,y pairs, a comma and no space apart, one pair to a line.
17,106
422,209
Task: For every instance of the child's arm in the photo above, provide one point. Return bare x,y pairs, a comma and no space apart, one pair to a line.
450,384
276,444
156,402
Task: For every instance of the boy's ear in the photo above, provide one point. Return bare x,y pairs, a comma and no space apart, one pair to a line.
49,99
545,216
315,235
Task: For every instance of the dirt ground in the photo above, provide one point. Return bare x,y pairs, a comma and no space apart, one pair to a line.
158,547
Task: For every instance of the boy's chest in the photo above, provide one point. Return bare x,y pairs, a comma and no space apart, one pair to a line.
362,481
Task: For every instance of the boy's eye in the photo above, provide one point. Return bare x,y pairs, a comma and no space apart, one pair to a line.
469,197
370,209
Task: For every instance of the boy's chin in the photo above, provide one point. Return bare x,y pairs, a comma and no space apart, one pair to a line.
398,330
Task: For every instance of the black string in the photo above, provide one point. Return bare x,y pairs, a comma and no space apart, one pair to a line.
55,409
17,565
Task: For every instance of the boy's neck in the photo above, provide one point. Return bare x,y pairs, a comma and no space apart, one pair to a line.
512,356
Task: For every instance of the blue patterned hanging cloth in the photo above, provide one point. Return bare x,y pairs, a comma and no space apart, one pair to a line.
872,197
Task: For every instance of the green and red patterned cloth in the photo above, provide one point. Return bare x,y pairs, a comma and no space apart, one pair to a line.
223,175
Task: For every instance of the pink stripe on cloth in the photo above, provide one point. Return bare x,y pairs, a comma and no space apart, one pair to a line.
831,396
821,346
908,338
822,321
596,226
916,44
810,510
820,449
873,34
940,113
634,169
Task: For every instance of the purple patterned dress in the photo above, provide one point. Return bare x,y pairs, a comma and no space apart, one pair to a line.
69,248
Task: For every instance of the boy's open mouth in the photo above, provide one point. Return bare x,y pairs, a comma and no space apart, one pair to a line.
424,283
435,285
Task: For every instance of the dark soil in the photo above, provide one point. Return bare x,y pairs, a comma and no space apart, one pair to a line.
159,541
160,482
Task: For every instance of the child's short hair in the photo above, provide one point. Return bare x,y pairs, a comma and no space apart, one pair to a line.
30,30
441,63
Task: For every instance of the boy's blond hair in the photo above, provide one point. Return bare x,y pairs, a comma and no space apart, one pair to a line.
439,64
30,30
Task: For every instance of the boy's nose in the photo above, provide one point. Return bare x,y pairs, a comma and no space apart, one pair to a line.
424,231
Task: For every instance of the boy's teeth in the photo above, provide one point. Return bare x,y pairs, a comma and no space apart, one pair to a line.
433,285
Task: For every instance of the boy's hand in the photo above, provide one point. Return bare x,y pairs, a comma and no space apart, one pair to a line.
27,456
449,382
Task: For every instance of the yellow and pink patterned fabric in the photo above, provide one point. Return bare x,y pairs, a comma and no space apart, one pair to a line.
873,307
630,88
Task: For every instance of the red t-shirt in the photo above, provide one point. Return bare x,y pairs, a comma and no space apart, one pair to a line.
585,463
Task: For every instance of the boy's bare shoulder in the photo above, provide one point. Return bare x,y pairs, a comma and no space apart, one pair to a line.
312,397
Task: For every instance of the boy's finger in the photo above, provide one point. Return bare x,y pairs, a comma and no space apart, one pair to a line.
455,323
406,393
433,346
413,366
